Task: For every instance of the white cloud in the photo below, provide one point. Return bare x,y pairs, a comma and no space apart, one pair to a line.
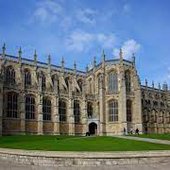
129,47
66,23
86,16
47,11
80,41
107,41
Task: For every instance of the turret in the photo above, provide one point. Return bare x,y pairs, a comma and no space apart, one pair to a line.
75,69
153,84
146,82
62,64
103,59
121,56
165,86
35,57
133,59
3,51
20,55
94,62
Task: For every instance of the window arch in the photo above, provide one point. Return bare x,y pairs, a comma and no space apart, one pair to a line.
113,110
27,76
12,104
62,111
128,81
10,75
129,110
46,109
90,109
112,82
145,116
76,111
29,107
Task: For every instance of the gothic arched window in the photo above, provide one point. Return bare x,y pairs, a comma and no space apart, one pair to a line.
12,105
90,109
29,107
112,82
27,76
129,110
10,75
128,81
113,110
62,111
46,109
76,112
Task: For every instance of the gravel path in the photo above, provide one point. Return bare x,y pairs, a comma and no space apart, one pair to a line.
145,139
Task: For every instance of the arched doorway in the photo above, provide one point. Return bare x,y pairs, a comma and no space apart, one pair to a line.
92,128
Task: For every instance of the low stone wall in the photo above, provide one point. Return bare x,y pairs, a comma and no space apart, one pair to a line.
63,159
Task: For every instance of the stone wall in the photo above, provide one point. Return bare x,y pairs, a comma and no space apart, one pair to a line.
83,159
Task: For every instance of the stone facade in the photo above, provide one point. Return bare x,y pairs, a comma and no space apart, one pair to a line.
108,99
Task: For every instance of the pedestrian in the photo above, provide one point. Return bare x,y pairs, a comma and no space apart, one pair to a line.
124,131
137,131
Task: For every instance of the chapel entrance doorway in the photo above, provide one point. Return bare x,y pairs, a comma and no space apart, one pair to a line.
93,128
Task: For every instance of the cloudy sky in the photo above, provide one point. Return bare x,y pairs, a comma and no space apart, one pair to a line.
81,29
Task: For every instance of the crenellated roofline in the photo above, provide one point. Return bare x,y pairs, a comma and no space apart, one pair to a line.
42,64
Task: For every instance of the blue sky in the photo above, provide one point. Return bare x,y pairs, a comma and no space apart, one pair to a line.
81,29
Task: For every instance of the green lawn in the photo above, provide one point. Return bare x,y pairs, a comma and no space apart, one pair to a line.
63,143
155,136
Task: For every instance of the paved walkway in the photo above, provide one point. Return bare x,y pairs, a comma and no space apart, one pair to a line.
145,139
147,166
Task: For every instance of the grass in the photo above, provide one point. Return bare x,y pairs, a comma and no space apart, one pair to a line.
64,143
155,136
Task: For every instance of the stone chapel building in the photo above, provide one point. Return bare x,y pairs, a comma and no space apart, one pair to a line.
42,98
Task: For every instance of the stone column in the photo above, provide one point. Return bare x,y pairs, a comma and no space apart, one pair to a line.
40,116
137,106
1,107
22,112
122,100
55,116
84,116
70,117
102,110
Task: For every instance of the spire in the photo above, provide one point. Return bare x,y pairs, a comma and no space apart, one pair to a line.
35,57
165,86
94,62
19,54
103,56
3,50
152,84
49,59
159,86
121,55
146,82
133,58
49,63
62,64
75,67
